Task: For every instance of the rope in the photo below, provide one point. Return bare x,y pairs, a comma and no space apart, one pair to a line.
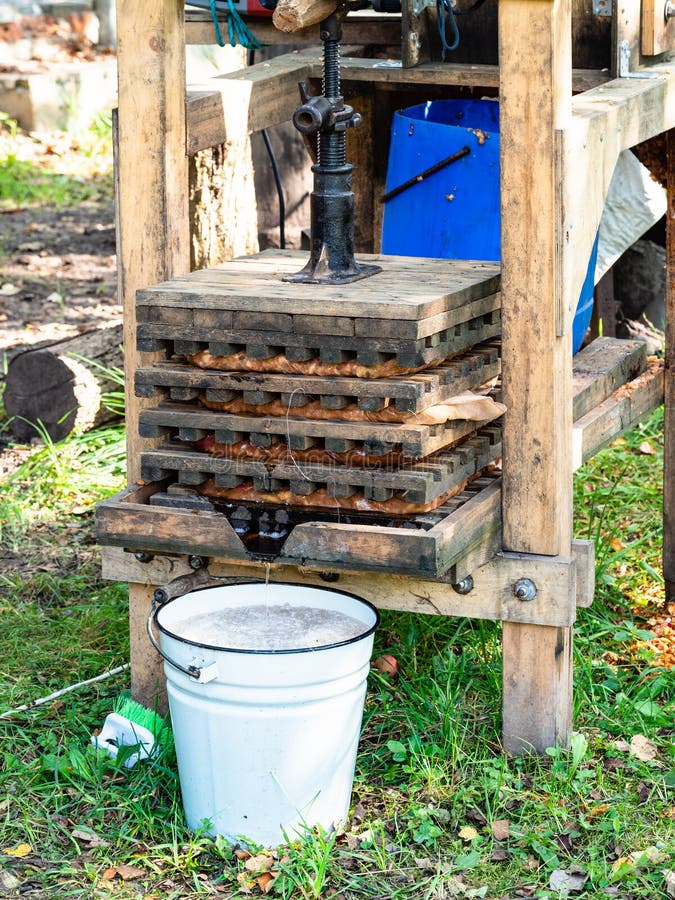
445,12
237,30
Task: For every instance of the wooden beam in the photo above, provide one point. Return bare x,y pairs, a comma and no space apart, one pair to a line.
151,208
266,94
606,120
360,28
560,583
669,382
535,101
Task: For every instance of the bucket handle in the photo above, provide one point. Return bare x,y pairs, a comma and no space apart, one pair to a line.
176,588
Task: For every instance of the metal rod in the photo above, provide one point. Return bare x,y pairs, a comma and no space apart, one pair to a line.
427,172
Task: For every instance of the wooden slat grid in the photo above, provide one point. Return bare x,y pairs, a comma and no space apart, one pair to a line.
410,394
421,482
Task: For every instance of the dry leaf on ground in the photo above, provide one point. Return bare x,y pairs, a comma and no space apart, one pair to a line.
670,883
468,833
126,873
643,748
565,882
500,829
19,851
647,449
90,838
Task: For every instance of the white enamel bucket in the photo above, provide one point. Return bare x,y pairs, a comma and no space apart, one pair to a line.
266,740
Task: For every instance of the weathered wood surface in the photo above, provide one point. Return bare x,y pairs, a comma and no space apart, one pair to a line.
669,381
265,94
535,95
62,385
560,580
294,15
603,366
657,34
621,411
359,28
194,423
151,176
409,393
408,288
416,483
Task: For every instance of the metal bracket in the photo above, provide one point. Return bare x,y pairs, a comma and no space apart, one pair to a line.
603,7
624,64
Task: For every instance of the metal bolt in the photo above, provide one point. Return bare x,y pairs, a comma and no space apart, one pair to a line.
196,562
465,586
143,556
669,10
525,589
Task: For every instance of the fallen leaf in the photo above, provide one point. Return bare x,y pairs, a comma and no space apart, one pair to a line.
623,864
670,883
643,748
647,449
126,873
621,746
265,882
501,829
596,811
89,838
242,854
19,851
9,289
567,882
262,862
643,792
246,883
468,833
8,881
476,816
617,544
499,853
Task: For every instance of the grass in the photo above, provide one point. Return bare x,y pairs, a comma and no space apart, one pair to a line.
56,170
438,811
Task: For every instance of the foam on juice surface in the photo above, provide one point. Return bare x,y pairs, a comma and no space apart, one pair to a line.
270,627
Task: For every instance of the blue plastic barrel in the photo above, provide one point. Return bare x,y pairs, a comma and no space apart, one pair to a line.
454,212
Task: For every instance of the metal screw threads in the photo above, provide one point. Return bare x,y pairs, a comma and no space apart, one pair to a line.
525,589
331,145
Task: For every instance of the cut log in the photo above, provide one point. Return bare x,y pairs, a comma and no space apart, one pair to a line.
293,15
61,385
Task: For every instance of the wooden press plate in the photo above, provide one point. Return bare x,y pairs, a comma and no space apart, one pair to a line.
409,393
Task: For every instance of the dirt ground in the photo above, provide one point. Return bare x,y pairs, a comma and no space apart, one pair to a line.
57,273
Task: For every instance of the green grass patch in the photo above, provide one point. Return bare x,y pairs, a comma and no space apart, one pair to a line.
58,171
438,811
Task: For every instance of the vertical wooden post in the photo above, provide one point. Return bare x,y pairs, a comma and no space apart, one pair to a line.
152,215
669,382
535,104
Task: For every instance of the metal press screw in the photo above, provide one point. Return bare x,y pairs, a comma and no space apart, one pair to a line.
525,589
669,10
196,562
143,557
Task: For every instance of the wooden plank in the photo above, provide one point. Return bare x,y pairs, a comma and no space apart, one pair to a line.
228,107
657,32
363,27
151,210
601,367
408,288
621,411
492,596
669,382
414,440
412,393
535,93
210,112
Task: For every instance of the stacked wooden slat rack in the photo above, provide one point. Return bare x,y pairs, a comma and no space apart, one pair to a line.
558,153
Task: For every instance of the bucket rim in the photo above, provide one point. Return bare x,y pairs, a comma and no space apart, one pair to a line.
260,652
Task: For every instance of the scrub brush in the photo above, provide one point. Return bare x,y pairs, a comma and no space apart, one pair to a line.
132,725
